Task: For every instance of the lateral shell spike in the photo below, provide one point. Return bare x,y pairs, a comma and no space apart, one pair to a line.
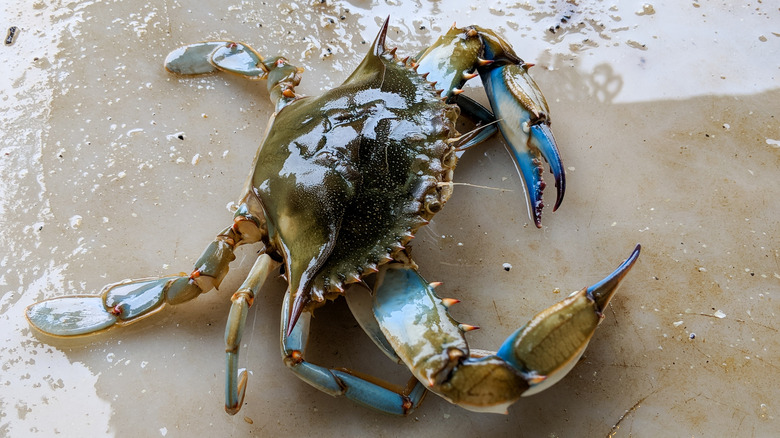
386,258
420,221
435,284
467,327
397,246
337,286
449,302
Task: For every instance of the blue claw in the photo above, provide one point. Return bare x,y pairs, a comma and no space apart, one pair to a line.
542,138
523,120
531,171
602,291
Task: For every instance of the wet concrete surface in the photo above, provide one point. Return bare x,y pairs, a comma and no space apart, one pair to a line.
666,115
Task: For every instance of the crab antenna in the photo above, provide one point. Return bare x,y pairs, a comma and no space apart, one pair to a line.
379,42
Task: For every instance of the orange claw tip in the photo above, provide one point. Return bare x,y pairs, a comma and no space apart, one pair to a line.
288,93
449,302
456,91
468,76
484,62
467,327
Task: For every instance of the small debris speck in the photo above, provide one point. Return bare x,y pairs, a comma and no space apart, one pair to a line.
507,266
11,36
75,221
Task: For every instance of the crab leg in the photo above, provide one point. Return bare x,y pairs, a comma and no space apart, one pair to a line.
517,103
235,379
239,59
360,388
416,323
128,301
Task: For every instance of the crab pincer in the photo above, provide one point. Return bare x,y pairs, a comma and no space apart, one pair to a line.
533,358
517,106
523,119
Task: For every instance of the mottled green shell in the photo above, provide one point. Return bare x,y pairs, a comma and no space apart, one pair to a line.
347,178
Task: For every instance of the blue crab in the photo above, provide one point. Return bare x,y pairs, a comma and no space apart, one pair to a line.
339,186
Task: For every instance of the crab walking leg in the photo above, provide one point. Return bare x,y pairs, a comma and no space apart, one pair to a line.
416,322
239,59
362,389
131,300
518,105
235,379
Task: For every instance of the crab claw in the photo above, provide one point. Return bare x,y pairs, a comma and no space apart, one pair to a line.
523,120
416,324
550,344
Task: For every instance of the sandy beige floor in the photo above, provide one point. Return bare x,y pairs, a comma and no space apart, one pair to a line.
667,117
